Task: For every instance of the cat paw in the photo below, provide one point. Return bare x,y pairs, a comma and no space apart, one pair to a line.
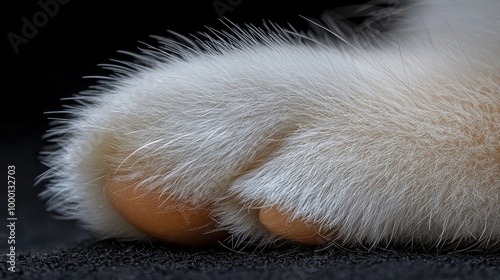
272,139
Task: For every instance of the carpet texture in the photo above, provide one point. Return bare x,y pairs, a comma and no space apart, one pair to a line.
111,259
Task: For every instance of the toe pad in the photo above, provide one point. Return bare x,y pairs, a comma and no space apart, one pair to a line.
163,217
297,230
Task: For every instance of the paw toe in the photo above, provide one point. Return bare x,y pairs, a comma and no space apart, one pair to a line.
161,216
281,224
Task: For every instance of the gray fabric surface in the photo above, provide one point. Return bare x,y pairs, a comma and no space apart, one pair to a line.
116,260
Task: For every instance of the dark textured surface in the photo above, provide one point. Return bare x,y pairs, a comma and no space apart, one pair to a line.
115,260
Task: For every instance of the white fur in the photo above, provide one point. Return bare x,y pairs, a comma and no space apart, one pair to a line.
390,145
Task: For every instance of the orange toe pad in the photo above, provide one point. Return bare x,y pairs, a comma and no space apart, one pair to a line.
162,217
297,230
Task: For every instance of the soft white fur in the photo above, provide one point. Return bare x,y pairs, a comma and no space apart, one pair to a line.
396,143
